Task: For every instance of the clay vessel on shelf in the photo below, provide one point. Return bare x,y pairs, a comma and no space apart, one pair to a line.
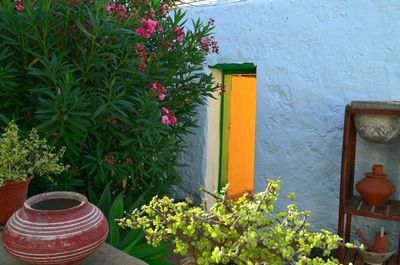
377,128
375,188
55,228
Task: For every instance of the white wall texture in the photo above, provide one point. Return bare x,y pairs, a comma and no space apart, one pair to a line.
313,57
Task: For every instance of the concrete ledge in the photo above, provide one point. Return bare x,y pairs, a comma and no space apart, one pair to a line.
104,255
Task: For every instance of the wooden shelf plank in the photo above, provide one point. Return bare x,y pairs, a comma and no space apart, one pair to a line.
356,206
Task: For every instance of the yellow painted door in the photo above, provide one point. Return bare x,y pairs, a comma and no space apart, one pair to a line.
242,135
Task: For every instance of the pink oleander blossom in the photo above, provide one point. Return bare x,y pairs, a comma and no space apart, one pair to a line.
173,119
209,44
180,34
19,5
19,8
110,7
158,89
204,45
120,9
142,66
164,110
147,28
164,7
168,118
165,120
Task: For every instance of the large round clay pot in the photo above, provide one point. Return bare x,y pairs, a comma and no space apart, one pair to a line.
375,188
377,128
12,197
55,228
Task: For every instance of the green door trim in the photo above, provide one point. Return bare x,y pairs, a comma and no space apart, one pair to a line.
227,69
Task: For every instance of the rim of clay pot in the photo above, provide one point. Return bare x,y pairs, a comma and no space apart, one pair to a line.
362,104
69,195
10,183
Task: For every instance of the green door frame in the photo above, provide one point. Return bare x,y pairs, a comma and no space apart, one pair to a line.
227,69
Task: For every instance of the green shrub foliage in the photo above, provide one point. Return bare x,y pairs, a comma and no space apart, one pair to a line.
30,156
118,83
246,231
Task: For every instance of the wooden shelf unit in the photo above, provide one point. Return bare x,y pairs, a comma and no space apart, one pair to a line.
350,204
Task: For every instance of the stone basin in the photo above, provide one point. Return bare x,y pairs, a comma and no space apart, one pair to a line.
377,128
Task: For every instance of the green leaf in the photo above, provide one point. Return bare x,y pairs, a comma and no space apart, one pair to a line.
105,200
92,195
131,240
146,250
116,212
131,237
98,111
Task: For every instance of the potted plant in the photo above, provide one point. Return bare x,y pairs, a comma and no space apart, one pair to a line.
247,231
20,160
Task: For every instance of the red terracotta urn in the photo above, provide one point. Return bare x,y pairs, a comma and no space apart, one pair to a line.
12,197
55,228
375,188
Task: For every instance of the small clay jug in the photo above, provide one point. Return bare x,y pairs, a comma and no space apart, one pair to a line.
381,241
375,188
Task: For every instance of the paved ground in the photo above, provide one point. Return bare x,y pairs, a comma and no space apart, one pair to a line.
106,255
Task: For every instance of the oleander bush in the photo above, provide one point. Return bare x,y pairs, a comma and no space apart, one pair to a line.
246,231
118,83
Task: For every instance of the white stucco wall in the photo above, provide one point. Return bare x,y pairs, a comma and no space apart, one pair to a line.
313,57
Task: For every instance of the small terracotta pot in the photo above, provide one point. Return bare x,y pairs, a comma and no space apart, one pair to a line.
12,197
55,228
375,188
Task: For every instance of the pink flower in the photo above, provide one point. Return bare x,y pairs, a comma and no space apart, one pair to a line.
164,110
165,120
158,89
173,119
204,45
160,29
110,7
214,45
120,9
167,117
147,28
142,66
164,7
180,34
140,50
150,25
142,32
149,14
19,7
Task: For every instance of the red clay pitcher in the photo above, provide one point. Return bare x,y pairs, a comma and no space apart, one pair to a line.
375,188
